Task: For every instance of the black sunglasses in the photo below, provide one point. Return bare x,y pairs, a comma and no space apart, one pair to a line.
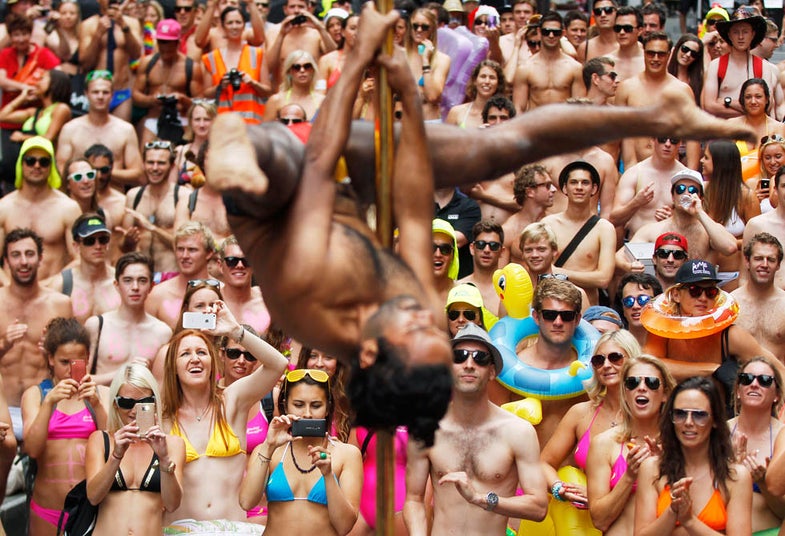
423,27
186,9
552,314
681,188
231,262
632,382
235,353
124,402
614,358
480,357
90,241
655,53
291,120
606,10
104,169
687,50
533,44
629,301
678,254
626,28
43,161
764,380
612,75
551,32
301,66
468,314
480,244
444,249
208,282
696,290
674,141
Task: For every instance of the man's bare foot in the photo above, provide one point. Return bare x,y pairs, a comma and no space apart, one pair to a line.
231,163
684,119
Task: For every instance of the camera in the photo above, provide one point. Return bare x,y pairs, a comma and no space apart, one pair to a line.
167,100
45,12
299,19
235,78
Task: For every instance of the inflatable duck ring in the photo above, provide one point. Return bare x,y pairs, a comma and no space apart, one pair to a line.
660,316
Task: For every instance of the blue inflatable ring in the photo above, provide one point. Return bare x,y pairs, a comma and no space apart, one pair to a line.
544,384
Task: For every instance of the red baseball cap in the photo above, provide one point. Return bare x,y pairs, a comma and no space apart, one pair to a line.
670,239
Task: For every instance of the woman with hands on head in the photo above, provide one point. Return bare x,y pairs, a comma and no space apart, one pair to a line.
758,400
59,415
312,484
616,455
693,487
139,476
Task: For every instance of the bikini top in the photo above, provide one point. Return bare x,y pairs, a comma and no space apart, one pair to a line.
714,515
256,430
619,468
150,482
77,425
582,448
223,443
279,490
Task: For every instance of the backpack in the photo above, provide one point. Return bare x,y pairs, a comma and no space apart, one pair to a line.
82,514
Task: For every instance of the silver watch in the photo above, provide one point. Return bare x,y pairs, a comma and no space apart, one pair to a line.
492,500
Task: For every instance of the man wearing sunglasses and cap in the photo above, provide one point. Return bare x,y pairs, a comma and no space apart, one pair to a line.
477,441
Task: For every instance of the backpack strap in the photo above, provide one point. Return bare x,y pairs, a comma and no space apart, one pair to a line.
153,60
138,198
366,442
757,66
192,202
268,406
189,74
576,240
176,194
68,281
722,68
97,342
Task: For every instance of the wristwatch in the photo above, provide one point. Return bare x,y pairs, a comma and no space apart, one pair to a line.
492,501
169,468
728,101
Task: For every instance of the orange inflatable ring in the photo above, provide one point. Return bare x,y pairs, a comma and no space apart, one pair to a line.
660,317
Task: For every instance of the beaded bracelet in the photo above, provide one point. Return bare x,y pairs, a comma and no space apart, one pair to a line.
556,490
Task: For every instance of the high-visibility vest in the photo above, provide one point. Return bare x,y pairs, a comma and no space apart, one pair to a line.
245,101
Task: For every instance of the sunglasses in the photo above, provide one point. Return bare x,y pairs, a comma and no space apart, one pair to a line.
629,301
607,10
481,244
235,353
298,374
678,254
681,188
764,380
43,161
302,67
560,277
674,141
687,50
696,290
468,314
551,32
632,382
291,120
552,314
124,402
774,138
158,144
103,170
626,28
533,44
98,75
699,416
423,27
712,22
207,282
655,53
183,9
262,5
79,175
480,357
231,262
614,358
444,249
482,22
612,75
90,241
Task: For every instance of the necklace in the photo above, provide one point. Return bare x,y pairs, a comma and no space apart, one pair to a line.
201,416
296,465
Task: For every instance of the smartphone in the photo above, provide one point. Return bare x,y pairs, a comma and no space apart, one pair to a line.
309,428
492,21
299,19
764,184
199,320
78,369
45,12
145,417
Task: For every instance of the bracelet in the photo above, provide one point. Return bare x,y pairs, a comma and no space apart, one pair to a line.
264,458
556,489
116,457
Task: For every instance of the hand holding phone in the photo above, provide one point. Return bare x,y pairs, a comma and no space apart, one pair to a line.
78,369
765,184
199,320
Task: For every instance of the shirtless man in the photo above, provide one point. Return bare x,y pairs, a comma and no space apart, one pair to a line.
721,97
89,283
629,55
210,36
600,80
771,222
244,301
166,74
762,304
111,201
486,249
670,252
551,75
644,192
39,205
706,237
79,134
204,205
604,43
25,309
126,333
534,192
94,53
642,89
185,12
480,454
592,263
193,248
511,43
151,207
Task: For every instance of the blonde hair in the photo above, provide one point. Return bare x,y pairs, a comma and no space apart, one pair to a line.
291,59
624,340
140,377
668,383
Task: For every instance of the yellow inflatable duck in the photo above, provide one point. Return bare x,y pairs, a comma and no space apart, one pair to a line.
514,287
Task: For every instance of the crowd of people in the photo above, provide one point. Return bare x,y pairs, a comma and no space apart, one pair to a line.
208,326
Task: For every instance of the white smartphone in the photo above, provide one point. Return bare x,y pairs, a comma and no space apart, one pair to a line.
199,320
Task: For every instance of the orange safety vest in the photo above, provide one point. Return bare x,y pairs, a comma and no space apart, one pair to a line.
245,101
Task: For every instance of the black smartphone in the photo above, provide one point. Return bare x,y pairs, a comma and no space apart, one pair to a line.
309,428
299,19
764,184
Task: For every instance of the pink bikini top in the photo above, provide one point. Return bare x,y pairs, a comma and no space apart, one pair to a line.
74,426
619,468
582,448
256,430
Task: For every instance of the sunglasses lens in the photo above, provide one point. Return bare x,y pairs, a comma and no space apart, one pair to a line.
632,382
597,360
652,383
765,380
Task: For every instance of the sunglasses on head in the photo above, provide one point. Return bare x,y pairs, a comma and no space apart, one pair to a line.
296,375
302,67
674,141
764,380
607,10
480,357
43,161
444,249
468,314
533,44
774,138
231,262
687,50
158,144
98,75
699,416
655,53
424,27
614,358
696,290
207,282
560,277
551,32
681,188
629,301
552,314
632,382
291,120
235,353
626,28
678,254
124,402
79,175
480,244
102,238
